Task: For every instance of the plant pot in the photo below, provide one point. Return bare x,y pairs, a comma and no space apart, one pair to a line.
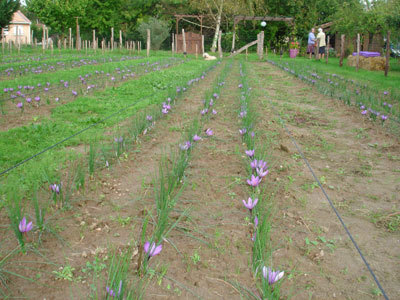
293,53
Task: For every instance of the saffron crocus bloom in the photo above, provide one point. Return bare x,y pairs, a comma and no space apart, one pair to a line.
243,114
23,227
214,112
55,188
254,164
252,134
37,99
254,181
57,99
211,102
215,95
152,250
385,93
110,291
240,86
29,100
242,131
75,93
149,118
255,221
364,112
272,276
262,164
363,107
204,111
384,118
196,138
19,105
185,146
262,173
118,140
250,153
250,204
164,111
209,132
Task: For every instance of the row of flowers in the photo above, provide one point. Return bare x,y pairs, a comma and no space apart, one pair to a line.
257,202
35,96
35,68
378,105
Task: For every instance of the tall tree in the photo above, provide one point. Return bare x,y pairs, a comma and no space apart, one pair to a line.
7,9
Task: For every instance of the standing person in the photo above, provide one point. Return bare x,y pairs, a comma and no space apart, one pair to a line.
311,42
322,43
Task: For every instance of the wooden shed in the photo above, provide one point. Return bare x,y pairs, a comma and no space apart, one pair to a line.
192,39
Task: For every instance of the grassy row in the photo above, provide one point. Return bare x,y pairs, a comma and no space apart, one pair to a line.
268,279
168,184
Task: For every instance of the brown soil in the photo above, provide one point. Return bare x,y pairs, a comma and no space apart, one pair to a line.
358,164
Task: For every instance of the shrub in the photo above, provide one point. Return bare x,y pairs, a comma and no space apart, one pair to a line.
159,31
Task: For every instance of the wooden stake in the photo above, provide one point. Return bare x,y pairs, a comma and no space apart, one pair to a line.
112,38
387,53
202,44
196,50
70,38
94,39
173,44
2,40
65,44
342,40
358,51
327,50
246,53
148,43
184,41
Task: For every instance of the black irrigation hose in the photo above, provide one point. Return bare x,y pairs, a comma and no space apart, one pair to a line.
330,203
77,133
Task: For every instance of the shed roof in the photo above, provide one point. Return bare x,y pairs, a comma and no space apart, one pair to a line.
20,18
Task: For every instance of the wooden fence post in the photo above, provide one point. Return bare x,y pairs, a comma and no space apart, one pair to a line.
387,53
327,50
184,42
70,38
94,40
148,42
173,44
358,52
2,40
112,38
196,50
120,39
202,44
342,41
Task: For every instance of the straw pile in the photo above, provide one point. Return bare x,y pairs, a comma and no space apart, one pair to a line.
367,63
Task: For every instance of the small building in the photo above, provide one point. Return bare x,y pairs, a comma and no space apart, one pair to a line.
19,30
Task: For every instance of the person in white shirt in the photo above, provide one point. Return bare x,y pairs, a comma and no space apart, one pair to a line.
321,43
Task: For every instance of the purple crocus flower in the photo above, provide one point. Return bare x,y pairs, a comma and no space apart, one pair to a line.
185,146
57,99
255,221
19,104
23,227
215,95
384,104
164,111
149,118
262,173
240,86
196,138
214,112
243,114
112,78
110,291
75,93
209,132
254,181
250,204
363,107
46,89
29,100
152,250
254,164
249,153
5,90
211,102
118,140
385,93
55,188
204,111
37,99
390,105
384,118
272,276
252,134
242,131
364,112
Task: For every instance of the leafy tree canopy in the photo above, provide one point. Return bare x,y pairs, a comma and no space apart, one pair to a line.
7,9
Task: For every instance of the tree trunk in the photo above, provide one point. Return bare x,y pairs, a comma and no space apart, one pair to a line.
218,25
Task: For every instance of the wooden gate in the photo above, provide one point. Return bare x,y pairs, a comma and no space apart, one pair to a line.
192,39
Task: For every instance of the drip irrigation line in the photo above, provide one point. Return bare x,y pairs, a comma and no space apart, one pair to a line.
330,202
80,131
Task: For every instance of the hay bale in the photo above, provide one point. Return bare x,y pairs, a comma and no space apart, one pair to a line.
367,63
